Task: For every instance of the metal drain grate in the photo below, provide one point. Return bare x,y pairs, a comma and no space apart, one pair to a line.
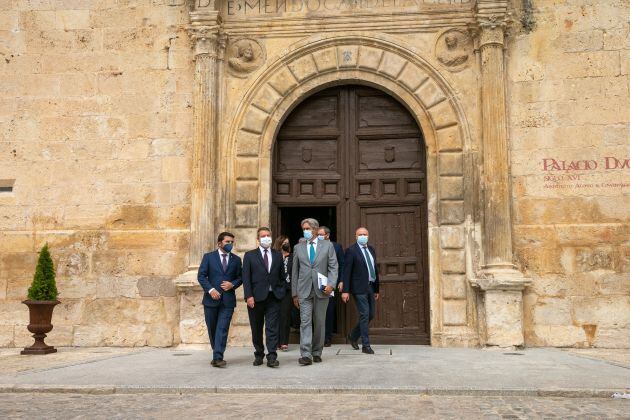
181,354
352,352
514,354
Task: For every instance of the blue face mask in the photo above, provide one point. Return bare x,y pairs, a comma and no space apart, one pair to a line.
227,248
308,235
320,237
362,240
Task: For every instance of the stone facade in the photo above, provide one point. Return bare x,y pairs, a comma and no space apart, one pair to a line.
132,132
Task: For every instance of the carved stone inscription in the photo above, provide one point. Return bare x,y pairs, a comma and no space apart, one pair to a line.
243,8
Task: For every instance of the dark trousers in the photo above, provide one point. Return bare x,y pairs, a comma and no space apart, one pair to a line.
218,320
366,306
265,313
285,319
331,317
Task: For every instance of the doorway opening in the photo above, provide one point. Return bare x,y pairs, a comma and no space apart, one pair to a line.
289,219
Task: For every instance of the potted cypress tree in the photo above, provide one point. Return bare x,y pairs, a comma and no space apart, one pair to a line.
42,298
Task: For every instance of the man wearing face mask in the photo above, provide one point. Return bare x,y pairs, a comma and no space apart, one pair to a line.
361,279
264,286
219,274
331,311
314,276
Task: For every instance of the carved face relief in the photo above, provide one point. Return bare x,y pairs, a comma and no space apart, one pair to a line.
244,56
453,49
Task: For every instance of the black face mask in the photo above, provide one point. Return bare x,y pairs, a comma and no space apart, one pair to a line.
286,247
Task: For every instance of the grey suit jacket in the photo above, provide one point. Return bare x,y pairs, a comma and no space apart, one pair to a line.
304,275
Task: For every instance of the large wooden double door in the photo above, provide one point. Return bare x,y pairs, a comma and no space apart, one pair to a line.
359,153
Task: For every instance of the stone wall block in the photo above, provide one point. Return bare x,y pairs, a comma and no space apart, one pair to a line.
255,120
430,94
452,237
157,286
303,67
267,98
453,286
451,187
453,261
412,77
247,144
246,215
451,212
451,164
392,64
369,58
449,139
247,169
6,335
325,59
247,192
443,114
283,81
454,312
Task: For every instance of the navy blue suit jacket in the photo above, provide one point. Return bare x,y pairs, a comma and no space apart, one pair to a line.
256,279
211,275
356,277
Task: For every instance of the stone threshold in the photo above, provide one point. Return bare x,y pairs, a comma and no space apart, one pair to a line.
420,391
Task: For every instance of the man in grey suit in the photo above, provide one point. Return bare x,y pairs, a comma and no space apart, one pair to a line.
311,261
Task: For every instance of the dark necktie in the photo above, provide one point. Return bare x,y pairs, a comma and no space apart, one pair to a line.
369,263
224,262
266,260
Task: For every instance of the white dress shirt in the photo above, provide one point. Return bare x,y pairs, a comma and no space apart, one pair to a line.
366,250
221,254
262,254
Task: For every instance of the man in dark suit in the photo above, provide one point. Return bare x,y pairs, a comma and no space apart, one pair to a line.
361,279
219,274
264,285
331,312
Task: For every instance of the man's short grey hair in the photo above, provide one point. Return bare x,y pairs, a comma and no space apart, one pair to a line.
314,224
326,229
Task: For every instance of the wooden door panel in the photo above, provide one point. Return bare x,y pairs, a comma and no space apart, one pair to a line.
394,234
307,155
378,110
389,154
315,113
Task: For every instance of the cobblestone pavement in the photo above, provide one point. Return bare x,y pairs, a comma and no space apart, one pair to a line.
68,406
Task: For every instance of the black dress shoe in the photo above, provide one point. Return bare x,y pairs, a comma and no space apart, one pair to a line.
305,361
317,359
353,343
218,363
273,363
258,361
367,350
327,343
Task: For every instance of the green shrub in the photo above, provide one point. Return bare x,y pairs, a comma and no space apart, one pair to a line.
43,286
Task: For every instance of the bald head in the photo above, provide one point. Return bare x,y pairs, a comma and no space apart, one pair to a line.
361,231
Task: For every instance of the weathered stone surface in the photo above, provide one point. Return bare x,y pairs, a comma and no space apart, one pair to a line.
104,105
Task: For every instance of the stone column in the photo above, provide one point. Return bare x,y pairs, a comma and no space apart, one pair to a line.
208,41
502,283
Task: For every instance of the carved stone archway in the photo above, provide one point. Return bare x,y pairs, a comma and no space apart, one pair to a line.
231,178
317,63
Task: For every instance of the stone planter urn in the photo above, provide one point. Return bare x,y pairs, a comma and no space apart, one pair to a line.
40,316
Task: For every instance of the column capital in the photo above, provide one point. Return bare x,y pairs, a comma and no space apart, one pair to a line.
491,25
206,32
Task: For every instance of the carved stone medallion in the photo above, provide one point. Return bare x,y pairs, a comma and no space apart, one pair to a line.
244,55
453,49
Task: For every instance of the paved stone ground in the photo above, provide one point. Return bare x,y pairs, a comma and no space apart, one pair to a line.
412,370
246,406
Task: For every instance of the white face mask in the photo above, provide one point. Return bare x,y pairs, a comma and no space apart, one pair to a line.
265,241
